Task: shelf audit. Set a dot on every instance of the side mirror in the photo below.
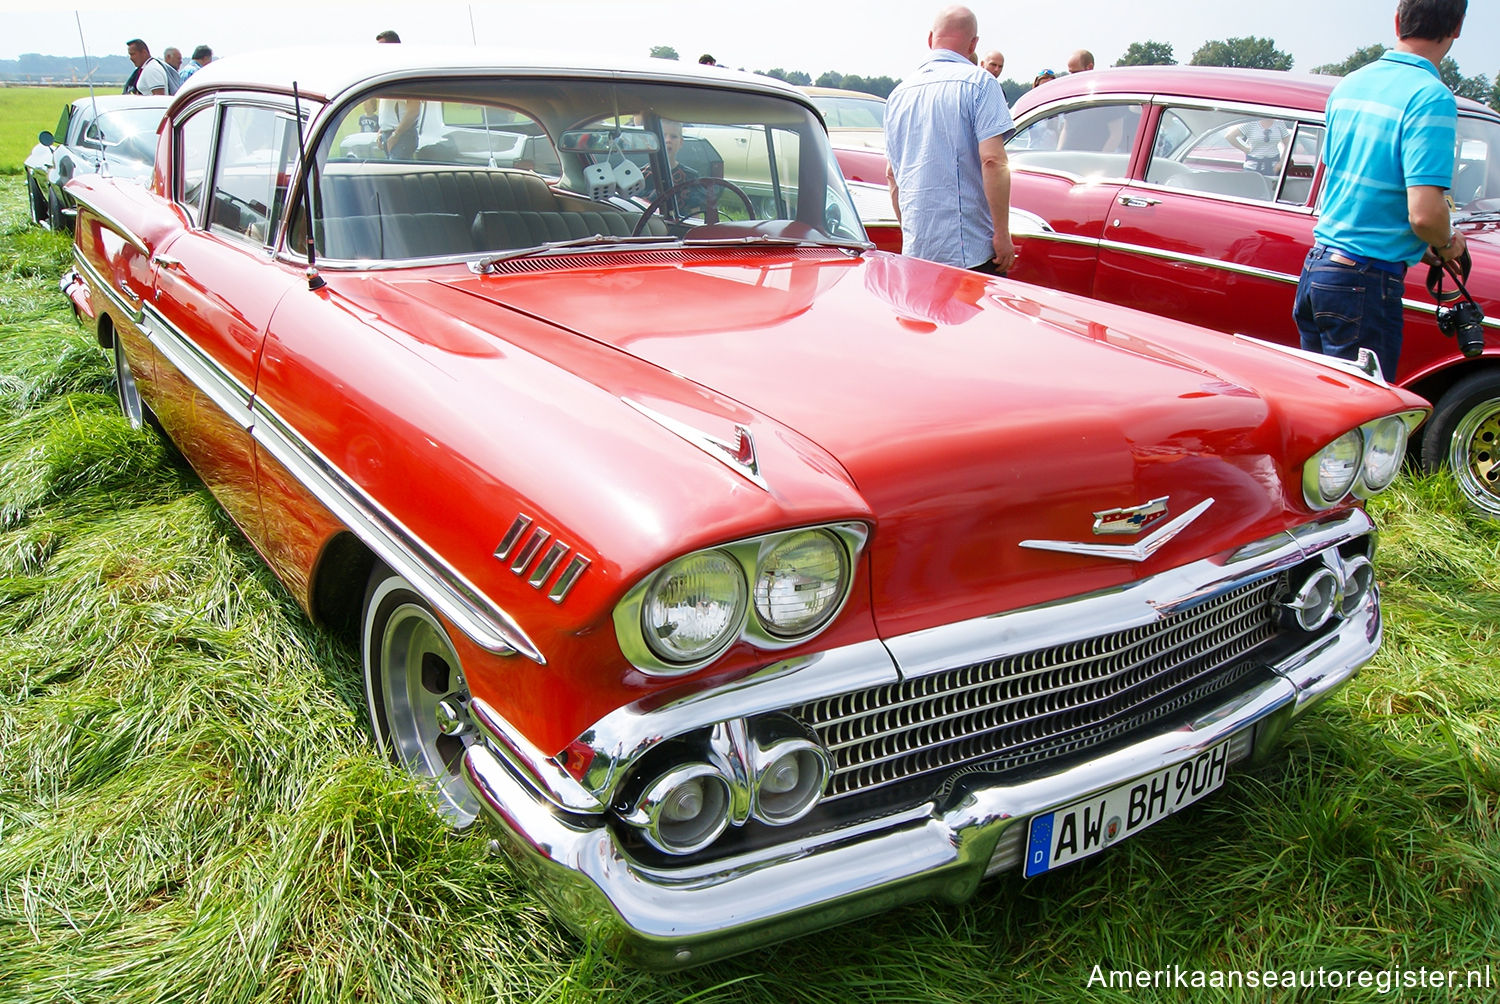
(45, 138)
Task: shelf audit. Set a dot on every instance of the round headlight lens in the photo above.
(1332, 470)
(695, 607)
(1385, 445)
(800, 583)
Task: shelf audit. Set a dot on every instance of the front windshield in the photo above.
(129, 133)
(1476, 166)
(474, 167)
(851, 113)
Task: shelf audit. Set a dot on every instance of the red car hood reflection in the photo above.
(971, 416)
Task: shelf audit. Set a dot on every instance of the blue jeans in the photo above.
(1341, 309)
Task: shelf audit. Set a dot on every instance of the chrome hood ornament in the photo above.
(1121, 518)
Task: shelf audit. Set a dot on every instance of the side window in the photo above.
(1221, 152)
(194, 140)
(251, 173)
(1090, 142)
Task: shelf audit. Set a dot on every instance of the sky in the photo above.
(870, 37)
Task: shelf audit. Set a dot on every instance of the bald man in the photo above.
(994, 63)
(945, 128)
(1081, 60)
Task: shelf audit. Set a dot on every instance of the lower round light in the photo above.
(1359, 579)
(1314, 603)
(1385, 446)
(790, 781)
(694, 607)
(800, 582)
(684, 810)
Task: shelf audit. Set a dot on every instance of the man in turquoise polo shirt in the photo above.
(1389, 158)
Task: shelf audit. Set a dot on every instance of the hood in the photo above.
(970, 415)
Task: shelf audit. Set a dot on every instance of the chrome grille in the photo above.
(1018, 710)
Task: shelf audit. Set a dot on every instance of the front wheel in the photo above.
(1464, 435)
(417, 695)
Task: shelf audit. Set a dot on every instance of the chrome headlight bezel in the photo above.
(1372, 468)
(749, 554)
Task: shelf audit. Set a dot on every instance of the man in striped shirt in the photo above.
(1389, 158)
(945, 129)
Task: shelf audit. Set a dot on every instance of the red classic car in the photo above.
(746, 579)
(1156, 202)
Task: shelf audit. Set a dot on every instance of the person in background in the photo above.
(398, 119)
(993, 63)
(1389, 160)
(707, 60)
(172, 56)
(202, 56)
(1042, 78)
(151, 75)
(1081, 60)
(945, 129)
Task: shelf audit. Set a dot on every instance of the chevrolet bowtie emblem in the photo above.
(1141, 549)
(1130, 520)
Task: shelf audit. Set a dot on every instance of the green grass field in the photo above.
(26, 111)
(190, 810)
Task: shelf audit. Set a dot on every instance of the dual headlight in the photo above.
(775, 591)
(1361, 462)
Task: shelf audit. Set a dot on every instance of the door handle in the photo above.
(1138, 201)
(163, 261)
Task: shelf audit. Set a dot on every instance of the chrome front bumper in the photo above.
(666, 919)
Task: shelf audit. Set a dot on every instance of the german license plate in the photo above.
(1087, 827)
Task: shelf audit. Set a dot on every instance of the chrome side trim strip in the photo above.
(543, 773)
(738, 457)
(114, 224)
(1200, 260)
(97, 281)
(201, 369)
(454, 596)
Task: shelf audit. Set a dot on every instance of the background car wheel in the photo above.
(417, 695)
(36, 203)
(1464, 435)
(125, 391)
(55, 216)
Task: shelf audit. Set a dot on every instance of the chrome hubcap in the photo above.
(426, 704)
(1475, 456)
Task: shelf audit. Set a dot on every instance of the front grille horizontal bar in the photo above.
(1018, 710)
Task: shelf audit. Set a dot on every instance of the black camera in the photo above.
(1464, 321)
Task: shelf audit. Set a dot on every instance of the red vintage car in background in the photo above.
(1153, 203)
(746, 579)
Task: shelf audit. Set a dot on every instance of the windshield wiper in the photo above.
(482, 265)
(764, 239)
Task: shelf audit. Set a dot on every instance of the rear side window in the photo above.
(1235, 153)
(195, 139)
(252, 172)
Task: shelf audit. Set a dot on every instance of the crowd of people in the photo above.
(1384, 207)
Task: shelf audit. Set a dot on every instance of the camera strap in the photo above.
(1459, 269)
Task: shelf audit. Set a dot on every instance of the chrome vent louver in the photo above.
(1007, 713)
(674, 256)
(531, 553)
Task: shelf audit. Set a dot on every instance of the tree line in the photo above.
(1248, 51)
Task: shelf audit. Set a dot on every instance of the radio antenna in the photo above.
(473, 35)
(314, 280)
(89, 76)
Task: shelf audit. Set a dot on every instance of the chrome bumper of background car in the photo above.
(667, 919)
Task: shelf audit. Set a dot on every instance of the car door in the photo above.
(1218, 218)
(1063, 188)
(215, 288)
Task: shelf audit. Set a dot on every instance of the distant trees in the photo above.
(1249, 51)
(794, 77)
(1358, 58)
(1477, 87)
(1147, 54)
(663, 52)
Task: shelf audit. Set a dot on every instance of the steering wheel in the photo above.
(705, 182)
